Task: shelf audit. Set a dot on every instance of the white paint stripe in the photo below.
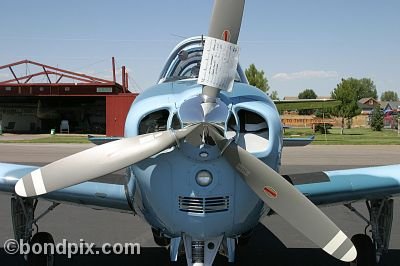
(335, 243)
(37, 180)
(350, 255)
(20, 188)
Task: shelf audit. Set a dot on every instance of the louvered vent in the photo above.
(203, 205)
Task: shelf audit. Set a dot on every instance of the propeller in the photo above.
(97, 161)
(286, 200)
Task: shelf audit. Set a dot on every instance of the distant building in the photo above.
(48, 98)
(391, 110)
(367, 105)
(390, 106)
(306, 121)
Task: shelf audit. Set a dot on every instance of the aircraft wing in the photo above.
(297, 142)
(322, 188)
(102, 140)
(341, 186)
(92, 194)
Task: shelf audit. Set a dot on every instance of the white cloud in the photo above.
(306, 74)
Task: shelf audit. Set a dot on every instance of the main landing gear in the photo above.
(26, 229)
(370, 250)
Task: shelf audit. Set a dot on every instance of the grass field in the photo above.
(52, 139)
(354, 136)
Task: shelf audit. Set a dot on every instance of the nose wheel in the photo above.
(46, 257)
(365, 251)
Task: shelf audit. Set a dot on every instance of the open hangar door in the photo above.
(41, 114)
(84, 114)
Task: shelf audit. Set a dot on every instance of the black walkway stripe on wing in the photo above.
(310, 178)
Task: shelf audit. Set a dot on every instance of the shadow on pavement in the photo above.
(263, 249)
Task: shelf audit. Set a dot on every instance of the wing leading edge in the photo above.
(334, 187)
(322, 188)
(92, 194)
(10, 174)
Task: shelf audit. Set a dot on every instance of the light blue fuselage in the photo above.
(164, 179)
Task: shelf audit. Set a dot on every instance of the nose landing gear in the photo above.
(371, 249)
(23, 219)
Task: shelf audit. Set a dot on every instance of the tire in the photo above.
(41, 238)
(365, 251)
(160, 240)
(244, 239)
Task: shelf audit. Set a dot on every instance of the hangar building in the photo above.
(46, 97)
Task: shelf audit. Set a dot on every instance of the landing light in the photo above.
(204, 178)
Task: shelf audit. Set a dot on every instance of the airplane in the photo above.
(202, 152)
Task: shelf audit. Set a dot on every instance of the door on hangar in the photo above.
(117, 108)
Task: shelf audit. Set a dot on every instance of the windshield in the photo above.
(184, 62)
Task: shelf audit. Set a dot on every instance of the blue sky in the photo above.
(299, 44)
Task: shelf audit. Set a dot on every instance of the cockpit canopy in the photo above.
(184, 62)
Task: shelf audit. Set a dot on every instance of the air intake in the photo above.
(203, 205)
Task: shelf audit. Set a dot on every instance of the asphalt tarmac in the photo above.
(280, 244)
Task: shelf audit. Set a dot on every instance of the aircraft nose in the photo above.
(192, 111)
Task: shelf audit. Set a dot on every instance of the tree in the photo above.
(349, 92)
(274, 95)
(389, 96)
(346, 92)
(377, 119)
(257, 78)
(365, 88)
(307, 94)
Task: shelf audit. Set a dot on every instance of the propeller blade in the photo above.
(286, 200)
(97, 161)
(226, 20)
(225, 25)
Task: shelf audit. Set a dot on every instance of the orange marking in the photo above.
(272, 193)
(226, 35)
